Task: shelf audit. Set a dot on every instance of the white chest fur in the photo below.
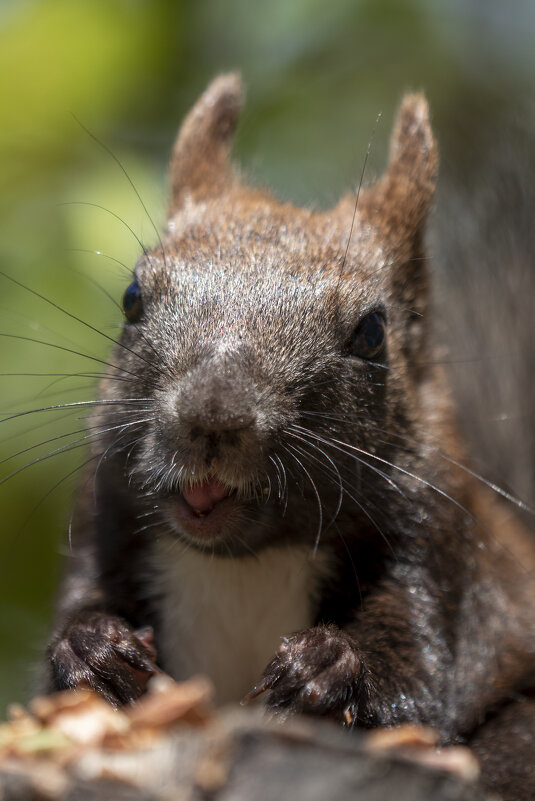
(225, 617)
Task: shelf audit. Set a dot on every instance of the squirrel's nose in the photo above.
(217, 401)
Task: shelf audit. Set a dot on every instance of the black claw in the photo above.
(103, 653)
(316, 671)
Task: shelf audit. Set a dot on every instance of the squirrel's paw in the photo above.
(104, 653)
(317, 671)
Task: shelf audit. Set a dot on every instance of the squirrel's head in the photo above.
(277, 340)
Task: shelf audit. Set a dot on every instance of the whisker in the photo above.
(51, 421)
(277, 475)
(327, 440)
(490, 484)
(146, 253)
(88, 251)
(146, 527)
(119, 163)
(243, 542)
(63, 436)
(365, 511)
(402, 470)
(141, 515)
(10, 542)
(69, 447)
(68, 350)
(431, 449)
(60, 376)
(334, 467)
(79, 404)
(78, 319)
(284, 483)
(138, 328)
(290, 449)
(361, 180)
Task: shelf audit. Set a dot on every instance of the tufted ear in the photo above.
(200, 166)
(399, 202)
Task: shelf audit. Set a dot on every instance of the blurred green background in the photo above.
(317, 74)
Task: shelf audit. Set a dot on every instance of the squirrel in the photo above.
(280, 500)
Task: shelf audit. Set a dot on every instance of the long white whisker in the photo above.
(69, 447)
(290, 449)
(334, 467)
(327, 440)
(363, 509)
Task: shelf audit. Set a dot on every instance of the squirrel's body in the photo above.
(278, 458)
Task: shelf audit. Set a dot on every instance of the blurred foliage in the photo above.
(317, 75)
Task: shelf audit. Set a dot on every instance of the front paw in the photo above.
(102, 651)
(317, 671)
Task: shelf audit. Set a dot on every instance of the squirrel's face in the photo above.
(277, 350)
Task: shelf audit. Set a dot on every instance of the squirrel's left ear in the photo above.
(200, 166)
(399, 202)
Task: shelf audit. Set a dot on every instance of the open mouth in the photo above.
(203, 511)
(202, 498)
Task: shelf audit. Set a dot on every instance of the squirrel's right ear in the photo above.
(400, 200)
(200, 166)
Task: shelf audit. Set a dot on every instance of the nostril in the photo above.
(213, 438)
(196, 432)
(213, 429)
(233, 436)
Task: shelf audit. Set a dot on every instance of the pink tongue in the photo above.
(204, 496)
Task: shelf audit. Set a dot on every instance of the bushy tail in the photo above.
(484, 246)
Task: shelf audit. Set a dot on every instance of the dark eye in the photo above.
(369, 337)
(132, 305)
